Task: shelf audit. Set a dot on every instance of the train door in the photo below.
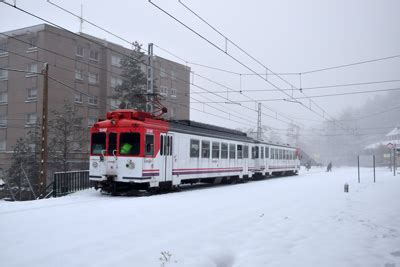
(166, 143)
(111, 160)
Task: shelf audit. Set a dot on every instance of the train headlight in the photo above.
(95, 164)
(130, 164)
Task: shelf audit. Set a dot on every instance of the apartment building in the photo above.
(85, 71)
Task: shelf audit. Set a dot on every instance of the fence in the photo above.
(65, 183)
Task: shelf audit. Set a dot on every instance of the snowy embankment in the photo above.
(304, 220)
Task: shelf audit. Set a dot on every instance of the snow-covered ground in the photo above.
(304, 220)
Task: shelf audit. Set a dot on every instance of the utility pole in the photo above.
(150, 80)
(259, 122)
(44, 150)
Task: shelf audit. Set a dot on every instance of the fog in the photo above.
(289, 37)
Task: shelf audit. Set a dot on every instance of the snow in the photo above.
(304, 220)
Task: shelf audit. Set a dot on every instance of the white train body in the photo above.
(132, 150)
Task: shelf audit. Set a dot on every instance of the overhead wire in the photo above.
(81, 35)
(238, 61)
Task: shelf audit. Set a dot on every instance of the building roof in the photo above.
(395, 131)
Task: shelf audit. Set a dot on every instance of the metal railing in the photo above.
(65, 183)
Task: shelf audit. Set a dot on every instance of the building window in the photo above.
(91, 121)
(3, 120)
(3, 97)
(80, 51)
(115, 81)
(163, 90)
(79, 75)
(2, 145)
(76, 146)
(32, 67)
(3, 48)
(78, 97)
(32, 42)
(163, 73)
(3, 74)
(3, 86)
(115, 103)
(31, 118)
(92, 100)
(115, 61)
(173, 92)
(93, 78)
(94, 55)
(31, 94)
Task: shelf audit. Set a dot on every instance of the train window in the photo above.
(129, 144)
(149, 145)
(246, 152)
(215, 150)
(239, 152)
(280, 154)
(167, 145)
(266, 152)
(170, 145)
(194, 148)
(205, 149)
(272, 153)
(262, 152)
(254, 152)
(224, 150)
(112, 143)
(161, 145)
(232, 151)
(98, 143)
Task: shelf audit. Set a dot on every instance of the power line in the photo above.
(124, 55)
(304, 88)
(235, 59)
(315, 96)
(91, 40)
(75, 90)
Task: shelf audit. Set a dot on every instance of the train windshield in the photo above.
(129, 144)
(98, 143)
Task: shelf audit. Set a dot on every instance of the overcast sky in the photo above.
(286, 36)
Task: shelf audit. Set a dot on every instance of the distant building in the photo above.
(392, 137)
(83, 66)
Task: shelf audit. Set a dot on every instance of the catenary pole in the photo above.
(44, 149)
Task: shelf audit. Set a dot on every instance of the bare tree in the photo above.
(67, 137)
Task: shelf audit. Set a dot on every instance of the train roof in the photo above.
(198, 128)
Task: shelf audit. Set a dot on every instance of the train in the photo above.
(134, 151)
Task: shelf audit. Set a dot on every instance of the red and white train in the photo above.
(133, 150)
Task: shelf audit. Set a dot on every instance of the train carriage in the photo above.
(133, 150)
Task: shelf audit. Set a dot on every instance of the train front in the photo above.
(116, 157)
